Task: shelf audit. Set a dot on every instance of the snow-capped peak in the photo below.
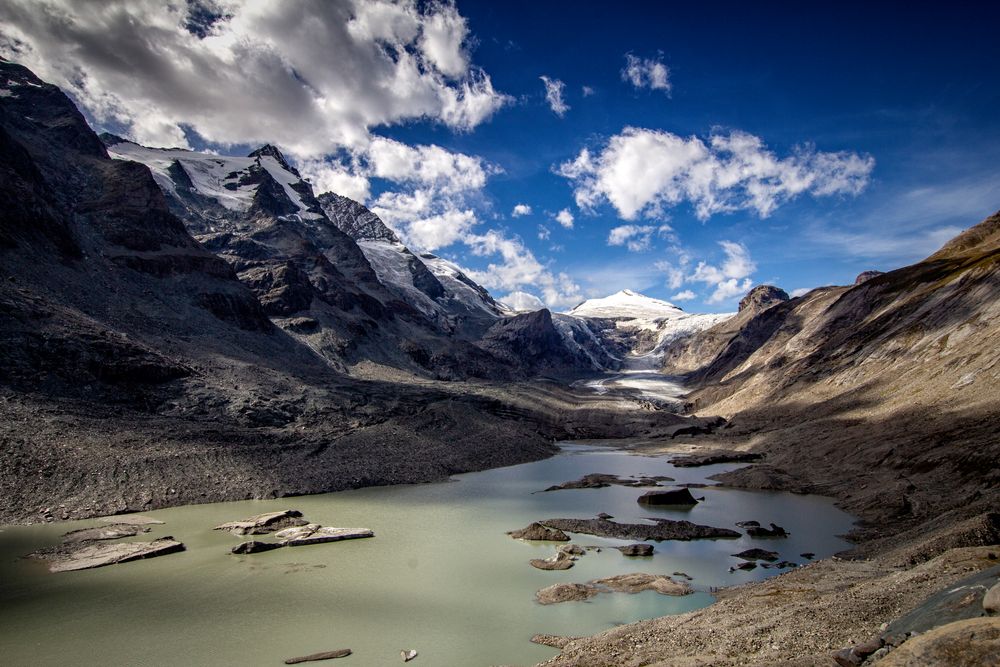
(627, 304)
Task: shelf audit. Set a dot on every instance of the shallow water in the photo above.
(440, 576)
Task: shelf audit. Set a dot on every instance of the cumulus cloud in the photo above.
(554, 95)
(646, 73)
(518, 268)
(565, 218)
(637, 238)
(729, 279)
(544, 233)
(520, 210)
(643, 172)
(587, 91)
(685, 295)
(522, 301)
(336, 68)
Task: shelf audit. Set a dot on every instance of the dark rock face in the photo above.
(714, 456)
(865, 276)
(774, 531)
(530, 340)
(673, 497)
(663, 529)
(761, 298)
(354, 219)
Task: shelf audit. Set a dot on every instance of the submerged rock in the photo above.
(636, 549)
(757, 554)
(673, 497)
(113, 532)
(326, 655)
(268, 522)
(88, 555)
(662, 529)
(255, 547)
(537, 532)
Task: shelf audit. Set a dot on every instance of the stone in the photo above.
(88, 555)
(314, 533)
(572, 549)
(560, 561)
(605, 515)
(268, 522)
(661, 529)
(132, 520)
(856, 655)
(113, 532)
(600, 480)
(255, 547)
(408, 654)
(972, 641)
(747, 565)
(757, 554)
(808, 555)
(557, 593)
(774, 531)
(748, 524)
(962, 600)
(991, 601)
(326, 655)
(538, 532)
(673, 497)
(638, 549)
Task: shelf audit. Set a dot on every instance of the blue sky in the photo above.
(869, 135)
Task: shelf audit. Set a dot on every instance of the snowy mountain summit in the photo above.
(627, 304)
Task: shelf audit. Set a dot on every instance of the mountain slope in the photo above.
(885, 393)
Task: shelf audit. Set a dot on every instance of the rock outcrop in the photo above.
(662, 529)
(87, 555)
(539, 532)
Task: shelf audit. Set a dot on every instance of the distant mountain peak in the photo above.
(626, 303)
(270, 150)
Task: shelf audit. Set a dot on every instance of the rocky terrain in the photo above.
(145, 368)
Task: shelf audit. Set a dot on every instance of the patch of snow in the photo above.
(457, 284)
(626, 304)
(390, 261)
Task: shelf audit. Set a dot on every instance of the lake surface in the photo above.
(440, 575)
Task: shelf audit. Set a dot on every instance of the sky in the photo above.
(562, 150)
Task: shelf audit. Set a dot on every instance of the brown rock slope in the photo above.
(885, 394)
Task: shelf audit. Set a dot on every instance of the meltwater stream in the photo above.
(441, 576)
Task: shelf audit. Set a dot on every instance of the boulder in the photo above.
(131, 519)
(559, 561)
(991, 601)
(113, 532)
(638, 549)
(255, 547)
(808, 555)
(973, 641)
(408, 654)
(268, 522)
(673, 497)
(600, 480)
(536, 531)
(961, 600)
(87, 555)
(747, 565)
(856, 655)
(572, 549)
(757, 554)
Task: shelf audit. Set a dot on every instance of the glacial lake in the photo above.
(440, 576)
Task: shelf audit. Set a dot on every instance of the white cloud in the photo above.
(565, 218)
(644, 172)
(334, 177)
(637, 238)
(259, 71)
(686, 295)
(587, 91)
(646, 73)
(554, 95)
(802, 291)
(729, 279)
(441, 230)
(518, 268)
(520, 210)
(522, 301)
(544, 233)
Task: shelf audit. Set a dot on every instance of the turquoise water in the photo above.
(440, 576)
